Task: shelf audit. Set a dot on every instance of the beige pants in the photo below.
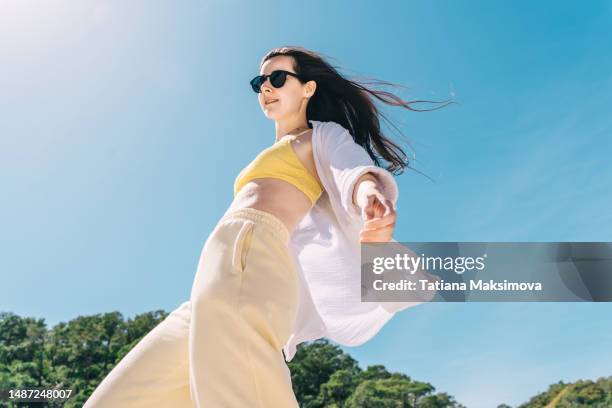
(223, 347)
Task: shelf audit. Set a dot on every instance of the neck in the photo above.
(290, 128)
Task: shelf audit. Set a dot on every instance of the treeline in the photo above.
(78, 354)
(582, 393)
(74, 355)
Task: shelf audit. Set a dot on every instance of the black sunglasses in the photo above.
(277, 79)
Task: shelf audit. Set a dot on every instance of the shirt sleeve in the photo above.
(348, 161)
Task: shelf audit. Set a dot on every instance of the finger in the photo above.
(375, 200)
(375, 208)
(391, 224)
(381, 208)
(369, 230)
(388, 207)
(381, 221)
(377, 231)
(368, 212)
(383, 234)
(376, 238)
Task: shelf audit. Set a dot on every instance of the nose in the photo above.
(266, 85)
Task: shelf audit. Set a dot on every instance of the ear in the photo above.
(311, 87)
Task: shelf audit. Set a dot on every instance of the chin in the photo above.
(272, 115)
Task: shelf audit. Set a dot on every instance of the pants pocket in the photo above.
(241, 246)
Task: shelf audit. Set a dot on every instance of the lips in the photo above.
(271, 100)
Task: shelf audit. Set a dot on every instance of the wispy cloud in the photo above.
(556, 173)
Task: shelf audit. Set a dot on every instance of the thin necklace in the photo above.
(294, 136)
(301, 133)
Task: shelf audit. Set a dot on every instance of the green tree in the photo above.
(383, 393)
(337, 389)
(313, 365)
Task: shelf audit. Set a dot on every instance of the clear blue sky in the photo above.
(123, 125)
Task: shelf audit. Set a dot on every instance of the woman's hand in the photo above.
(377, 212)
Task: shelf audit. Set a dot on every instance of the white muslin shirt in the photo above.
(326, 250)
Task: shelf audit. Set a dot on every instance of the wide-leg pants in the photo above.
(223, 347)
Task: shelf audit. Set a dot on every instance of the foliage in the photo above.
(74, 355)
(580, 394)
(80, 353)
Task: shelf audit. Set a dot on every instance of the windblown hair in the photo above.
(350, 104)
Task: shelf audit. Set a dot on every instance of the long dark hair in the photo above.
(350, 104)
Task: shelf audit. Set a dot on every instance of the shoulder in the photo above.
(329, 127)
(331, 133)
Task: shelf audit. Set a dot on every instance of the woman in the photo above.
(282, 265)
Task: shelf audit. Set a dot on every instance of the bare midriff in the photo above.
(279, 197)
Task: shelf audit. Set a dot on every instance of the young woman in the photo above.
(282, 266)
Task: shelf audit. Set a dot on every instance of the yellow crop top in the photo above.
(281, 162)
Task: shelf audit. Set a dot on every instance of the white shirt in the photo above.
(326, 250)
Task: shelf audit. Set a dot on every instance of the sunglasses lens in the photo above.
(256, 83)
(277, 78)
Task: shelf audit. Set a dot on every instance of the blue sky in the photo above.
(123, 126)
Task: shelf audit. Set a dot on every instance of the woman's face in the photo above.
(289, 98)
